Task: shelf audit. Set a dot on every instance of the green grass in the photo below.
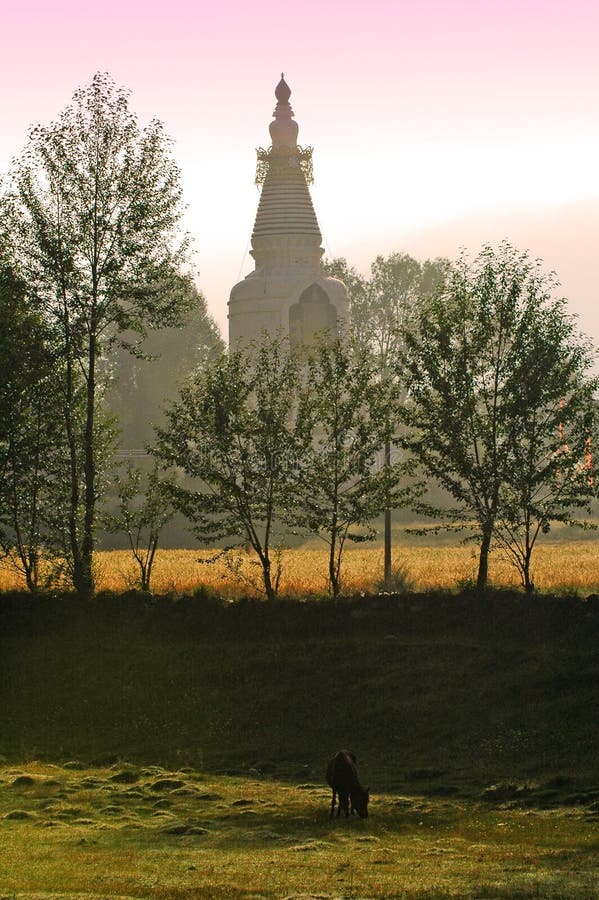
(145, 832)
(474, 721)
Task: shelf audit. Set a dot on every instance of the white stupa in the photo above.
(288, 292)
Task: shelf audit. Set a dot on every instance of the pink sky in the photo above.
(434, 124)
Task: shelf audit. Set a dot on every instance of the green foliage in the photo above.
(381, 307)
(144, 507)
(33, 449)
(382, 304)
(501, 403)
(153, 370)
(271, 442)
(232, 432)
(356, 284)
(94, 213)
(553, 472)
(342, 425)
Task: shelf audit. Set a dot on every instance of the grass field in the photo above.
(127, 831)
(558, 565)
(173, 747)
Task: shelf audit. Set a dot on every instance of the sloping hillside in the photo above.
(445, 694)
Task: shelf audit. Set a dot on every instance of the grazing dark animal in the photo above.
(342, 776)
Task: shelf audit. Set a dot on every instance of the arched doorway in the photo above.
(313, 314)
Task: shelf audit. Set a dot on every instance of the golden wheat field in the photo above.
(559, 565)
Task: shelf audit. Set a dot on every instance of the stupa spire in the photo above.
(283, 131)
(284, 170)
(282, 90)
(288, 289)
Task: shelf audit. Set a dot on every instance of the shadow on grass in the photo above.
(183, 834)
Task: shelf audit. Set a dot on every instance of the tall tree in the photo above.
(32, 445)
(342, 425)
(380, 308)
(483, 364)
(552, 477)
(95, 208)
(231, 432)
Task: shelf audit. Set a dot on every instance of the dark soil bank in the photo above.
(443, 693)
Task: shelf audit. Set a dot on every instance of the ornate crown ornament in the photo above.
(281, 159)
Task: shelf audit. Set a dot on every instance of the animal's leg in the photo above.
(333, 803)
(343, 801)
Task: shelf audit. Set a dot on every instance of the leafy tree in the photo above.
(397, 285)
(155, 373)
(143, 510)
(552, 476)
(32, 446)
(382, 304)
(487, 362)
(342, 425)
(354, 281)
(95, 208)
(231, 432)
(380, 308)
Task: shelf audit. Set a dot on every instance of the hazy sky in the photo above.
(435, 125)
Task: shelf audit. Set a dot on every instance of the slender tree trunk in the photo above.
(387, 535)
(333, 576)
(144, 581)
(528, 582)
(70, 420)
(34, 540)
(86, 586)
(333, 568)
(268, 587)
(70, 415)
(483, 560)
(149, 562)
(529, 586)
(529, 540)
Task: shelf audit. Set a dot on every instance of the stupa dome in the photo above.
(288, 292)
